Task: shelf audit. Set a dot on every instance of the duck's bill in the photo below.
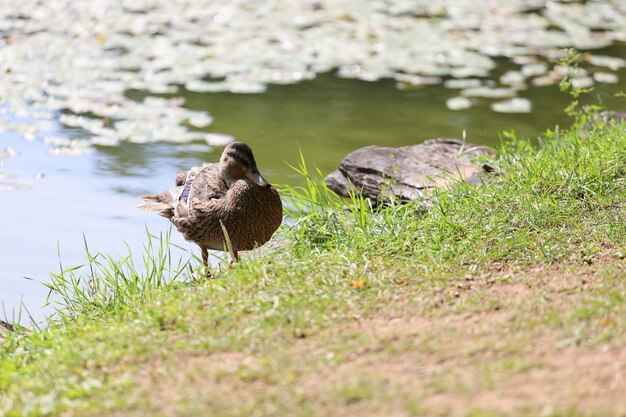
(257, 178)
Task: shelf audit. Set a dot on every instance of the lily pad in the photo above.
(458, 103)
(218, 139)
(514, 105)
(78, 64)
(462, 83)
(488, 92)
(605, 77)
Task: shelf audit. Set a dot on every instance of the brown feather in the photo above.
(162, 204)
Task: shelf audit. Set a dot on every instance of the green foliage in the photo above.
(546, 202)
(106, 284)
(326, 221)
(569, 64)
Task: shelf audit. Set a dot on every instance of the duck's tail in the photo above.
(162, 204)
(175, 202)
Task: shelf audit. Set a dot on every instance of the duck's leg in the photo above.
(235, 256)
(205, 261)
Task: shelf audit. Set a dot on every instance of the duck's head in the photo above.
(237, 163)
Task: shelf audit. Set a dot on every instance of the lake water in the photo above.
(61, 199)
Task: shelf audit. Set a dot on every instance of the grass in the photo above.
(545, 203)
(464, 306)
(106, 285)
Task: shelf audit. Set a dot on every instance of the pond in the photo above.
(54, 197)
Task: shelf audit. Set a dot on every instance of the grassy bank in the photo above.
(505, 299)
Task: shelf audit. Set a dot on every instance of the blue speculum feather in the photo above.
(186, 190)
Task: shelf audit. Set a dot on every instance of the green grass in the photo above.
(128, 330)
(105, 285)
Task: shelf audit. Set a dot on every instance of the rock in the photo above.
(616, 116)
(5, 328)
(408, 172)
(608, 117)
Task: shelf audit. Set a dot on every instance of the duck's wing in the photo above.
(201, 191)
(168, 202)
(208, 184)
(199, 185)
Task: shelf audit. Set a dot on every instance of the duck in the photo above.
(227, 206)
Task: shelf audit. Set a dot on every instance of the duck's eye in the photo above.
(240, 160)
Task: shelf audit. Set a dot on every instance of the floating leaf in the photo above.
(605, 77)
(458, 103)
(514, 105)
(488, 92)
(218, 139)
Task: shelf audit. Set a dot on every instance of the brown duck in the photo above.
(215, 200)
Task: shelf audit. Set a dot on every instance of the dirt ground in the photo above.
(511, 343)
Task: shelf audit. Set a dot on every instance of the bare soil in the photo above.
(448, 352)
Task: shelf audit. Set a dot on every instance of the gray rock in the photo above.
(609, 117)
(5, 328)
(616, 116)
(408, 172)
